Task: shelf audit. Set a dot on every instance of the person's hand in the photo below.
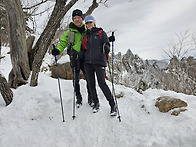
(106, 48)
(74, 54)
(55, 52)
(112, 38)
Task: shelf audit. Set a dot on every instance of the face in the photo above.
(90, 25)
(78, 21)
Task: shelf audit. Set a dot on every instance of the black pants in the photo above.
(100, 73)
(79, 67)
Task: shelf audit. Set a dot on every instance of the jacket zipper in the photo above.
(90, 46)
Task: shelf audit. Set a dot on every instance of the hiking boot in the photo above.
(90, 101)
(79, 101)
(92, 104)
(96, 107)
(113, 111)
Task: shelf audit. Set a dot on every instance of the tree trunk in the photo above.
(38, 52)
(5, 90)
(0, 30)
(17, 40)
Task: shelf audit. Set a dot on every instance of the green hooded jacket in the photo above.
(77, 42)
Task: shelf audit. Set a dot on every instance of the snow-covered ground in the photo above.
(34, 118)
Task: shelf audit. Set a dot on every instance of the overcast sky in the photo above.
(145, 26)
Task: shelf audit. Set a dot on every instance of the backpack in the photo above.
(71, 37)
(85, 43)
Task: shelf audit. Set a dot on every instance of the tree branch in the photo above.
(42, 11)
(181, 45)
(91, 8)
(42, 2)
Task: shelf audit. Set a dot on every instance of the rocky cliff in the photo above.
(130, 70)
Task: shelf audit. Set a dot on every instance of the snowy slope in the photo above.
(34, 118)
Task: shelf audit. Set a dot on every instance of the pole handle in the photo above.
(53, 46)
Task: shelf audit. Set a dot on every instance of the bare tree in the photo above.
(30, 11)
(181, 45)
(35, 5)
(194, 42)
(2, 11)
(0, 28)
(5, 90)
(17, 41)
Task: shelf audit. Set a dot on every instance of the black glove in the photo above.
(106, 48)
(55, 52)
(74, 54)
(112, 38)
(69, 50)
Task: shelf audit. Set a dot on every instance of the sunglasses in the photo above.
(89, 22)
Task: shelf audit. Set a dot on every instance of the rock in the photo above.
(65, 71)
(176, 112)
(142, 86)
(121, 94)
(166, 103)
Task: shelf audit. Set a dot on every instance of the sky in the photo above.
(145, 27)
(34, 117)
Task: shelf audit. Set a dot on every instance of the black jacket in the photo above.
(97, 48)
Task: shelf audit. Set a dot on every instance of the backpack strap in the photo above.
(71, 37)
(85, 43)
(100, 34)
(70, 41)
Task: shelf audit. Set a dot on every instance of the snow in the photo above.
(34, 118)
(64, 59)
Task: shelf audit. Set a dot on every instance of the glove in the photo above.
(74, 54)
(112, 38)
(106, 48)
(69, 50)
(55, 52)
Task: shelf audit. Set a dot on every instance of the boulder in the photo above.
(65, 71)
(166, 103)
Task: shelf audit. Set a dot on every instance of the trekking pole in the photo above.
(112, 78)
(113, 92)
(59, 87)
(74, 94)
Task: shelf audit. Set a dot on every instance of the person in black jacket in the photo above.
(94, 49)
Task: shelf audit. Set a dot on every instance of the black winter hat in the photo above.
(77, 12)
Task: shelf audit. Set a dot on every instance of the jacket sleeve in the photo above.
(63, 42)
(106, 44)
(81, 53)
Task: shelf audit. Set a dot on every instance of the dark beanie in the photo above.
(77, 12)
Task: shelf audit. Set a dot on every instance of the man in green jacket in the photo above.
(77, 29)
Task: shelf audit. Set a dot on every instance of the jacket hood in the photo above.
(74, 28)
(94, 29)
